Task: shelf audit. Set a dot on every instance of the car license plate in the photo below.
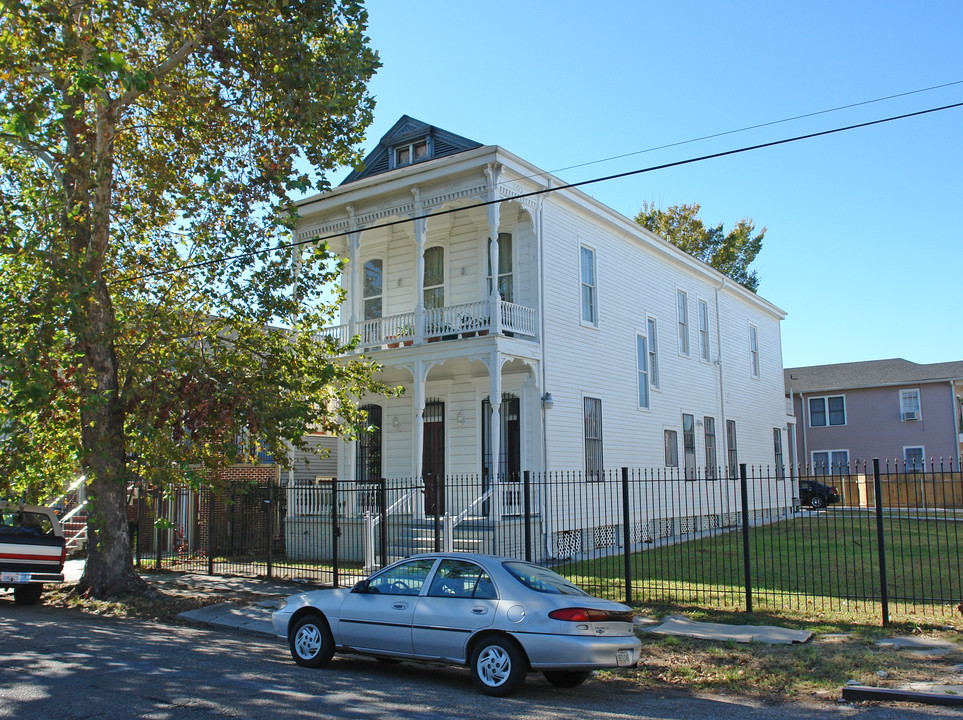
(13, 577)
(623, 657)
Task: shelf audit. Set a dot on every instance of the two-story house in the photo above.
(894, 410)
(530, 323)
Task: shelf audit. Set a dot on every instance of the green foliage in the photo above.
(730, 253)
(141, 137)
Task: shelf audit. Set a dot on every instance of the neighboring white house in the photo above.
(600, 345)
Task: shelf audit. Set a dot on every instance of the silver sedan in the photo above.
(500, 617)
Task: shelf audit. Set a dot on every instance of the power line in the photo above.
(555, 188)
(751, 127)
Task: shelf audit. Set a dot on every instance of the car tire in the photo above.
(817, 501)
(311, 642)
(567, 678)
(27, 594)
(498, 666)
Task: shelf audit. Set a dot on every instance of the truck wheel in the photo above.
(27, 594)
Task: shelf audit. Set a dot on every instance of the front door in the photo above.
(510, 448)
(433, 458)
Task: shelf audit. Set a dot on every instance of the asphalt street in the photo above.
(65, 664)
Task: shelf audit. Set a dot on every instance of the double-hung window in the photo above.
(682, 313)
(909, 405)
(505, 277)
(653, 354)
(671, 448)
(777, 452)
(830, 410)
(831, 462)
(753, 351)
(642, 367)
(704, 349)
(913, 458)
(590, 313)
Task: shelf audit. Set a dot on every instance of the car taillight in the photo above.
(577, 614)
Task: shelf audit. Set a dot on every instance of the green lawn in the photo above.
(818, 562)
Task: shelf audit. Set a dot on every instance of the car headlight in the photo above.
(283, 604)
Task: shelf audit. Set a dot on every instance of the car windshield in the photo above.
(542, 580)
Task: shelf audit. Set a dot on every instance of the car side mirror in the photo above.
(360, 587)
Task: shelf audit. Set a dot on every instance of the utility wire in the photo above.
(550, 189)
(749, 127)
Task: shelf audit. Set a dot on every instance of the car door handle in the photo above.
(479, 610)
(400, 605)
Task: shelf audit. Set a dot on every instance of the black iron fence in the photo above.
(860, 537)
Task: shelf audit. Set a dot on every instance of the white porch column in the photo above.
(418, 431)
(493, 208)
(421, 229)
(356, 312)
(495, 398)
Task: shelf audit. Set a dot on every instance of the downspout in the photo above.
(539, 240)
(722, 388)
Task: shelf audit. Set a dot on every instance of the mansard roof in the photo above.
(408, 132)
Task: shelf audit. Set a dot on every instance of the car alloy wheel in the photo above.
(817, 502)
(498, 667)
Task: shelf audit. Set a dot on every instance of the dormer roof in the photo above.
(408, 142)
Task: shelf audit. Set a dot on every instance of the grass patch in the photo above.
(807, 566)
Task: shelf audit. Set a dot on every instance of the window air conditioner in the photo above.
(911, 415)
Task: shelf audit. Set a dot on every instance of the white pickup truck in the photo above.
(32, 550)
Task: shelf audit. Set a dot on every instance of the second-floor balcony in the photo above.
(451, 322)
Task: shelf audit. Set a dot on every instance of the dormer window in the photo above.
(412, 152)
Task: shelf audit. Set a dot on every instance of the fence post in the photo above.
(157, 530)
(383, 512)
(140, 518)
(745, 535)
(335, 532)
(626, 536)
(527, 487)
(437, 508)
(878, 488)
(270, 525)
(210, 531)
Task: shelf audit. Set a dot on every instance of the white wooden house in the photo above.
(599, 345)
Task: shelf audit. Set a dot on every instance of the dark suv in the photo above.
(816, 495)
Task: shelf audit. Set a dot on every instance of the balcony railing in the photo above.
(445, 323)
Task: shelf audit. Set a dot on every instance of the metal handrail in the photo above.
(464, 513)
(73, 486)
(394, 506)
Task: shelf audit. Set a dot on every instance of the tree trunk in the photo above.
(109, 570)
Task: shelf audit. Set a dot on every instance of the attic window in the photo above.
(412, 152)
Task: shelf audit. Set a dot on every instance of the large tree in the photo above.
(149, 153)
(730, 253)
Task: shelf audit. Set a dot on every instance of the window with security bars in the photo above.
(689, 446)
(710, 441)
(777, 451)
(593, 438)
(368, 447)
(732, 451)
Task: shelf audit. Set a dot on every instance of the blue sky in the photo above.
(863, 249)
